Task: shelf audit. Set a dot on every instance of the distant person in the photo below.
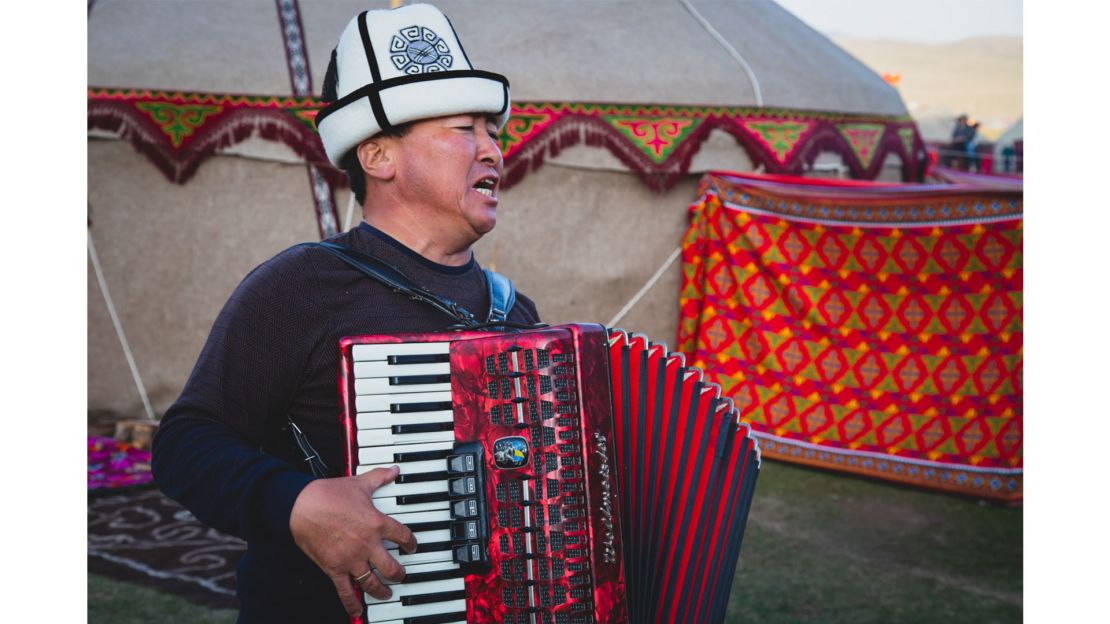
(973, 143)
(962, 136)
(1008, 159)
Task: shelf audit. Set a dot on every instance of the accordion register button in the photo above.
(459, 464)
(467, 530)
(462, 486)
(465, 508)
(469, 553)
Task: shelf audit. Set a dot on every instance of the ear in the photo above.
(377, 159)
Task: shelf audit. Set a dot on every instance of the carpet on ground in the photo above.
(138, 535)
(868, 328)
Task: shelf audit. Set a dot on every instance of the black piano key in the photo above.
(439, 618)
(434, 547)
(421, 455)
(408, 601)
(429, 526)
(415, 499)
(420, 477)
(429, 358)
(405, 408)
(423, 427)
(412, 380)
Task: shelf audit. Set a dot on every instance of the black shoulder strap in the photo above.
(502, 296)
(397, 280)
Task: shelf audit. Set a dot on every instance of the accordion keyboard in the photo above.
(504, 442)
(404, 418)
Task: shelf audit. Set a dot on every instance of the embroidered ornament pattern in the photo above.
(418, 50)
(177, 131)
(891, 348)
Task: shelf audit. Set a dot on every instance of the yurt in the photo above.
(203, 161)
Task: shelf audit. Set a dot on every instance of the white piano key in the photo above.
(414, 467)
(360, 353)
(381, 385)
(394, 611)
(365, 370)
(386, 437)
(443, 556)
(424, 537)
(417, 589)
(389, 506)
(436, 566)
(381, 403)
(384, 454)
(384, 420)
(422, 516)
(406, 489)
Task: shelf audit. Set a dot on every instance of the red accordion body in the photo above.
(539, 470)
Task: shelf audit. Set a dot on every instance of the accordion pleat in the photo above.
(688, 471)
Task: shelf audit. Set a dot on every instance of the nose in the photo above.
(489, 149)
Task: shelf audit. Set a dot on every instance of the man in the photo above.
(415, 127)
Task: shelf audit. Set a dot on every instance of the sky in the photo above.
(931, 21)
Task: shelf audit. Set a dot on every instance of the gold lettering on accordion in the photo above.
(610, 553)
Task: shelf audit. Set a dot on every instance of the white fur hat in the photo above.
(399, 65)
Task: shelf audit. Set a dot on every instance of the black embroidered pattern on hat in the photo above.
(418, 50)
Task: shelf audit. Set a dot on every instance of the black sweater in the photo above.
(222, 450)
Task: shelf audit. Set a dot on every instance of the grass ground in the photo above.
(819, 547)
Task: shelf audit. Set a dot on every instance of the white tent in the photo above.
(582, 235)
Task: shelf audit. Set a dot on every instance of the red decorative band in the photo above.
(178, 130)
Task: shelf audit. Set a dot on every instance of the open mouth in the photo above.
(486, 186)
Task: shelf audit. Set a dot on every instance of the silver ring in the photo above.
(360, 579)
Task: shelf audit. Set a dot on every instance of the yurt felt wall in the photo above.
(171, 254)
(582, 243)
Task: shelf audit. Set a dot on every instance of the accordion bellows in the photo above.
(562, 475)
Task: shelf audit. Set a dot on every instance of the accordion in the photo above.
(563, 475)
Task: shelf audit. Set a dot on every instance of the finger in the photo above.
(389, 568)
(399, 534)
(374, 586)
(377, 477)
(351, 601)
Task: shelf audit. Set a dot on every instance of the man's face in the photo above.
(449, 172)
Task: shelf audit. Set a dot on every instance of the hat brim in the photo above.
(365, 112)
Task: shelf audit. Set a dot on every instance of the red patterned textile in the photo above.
(868, 328)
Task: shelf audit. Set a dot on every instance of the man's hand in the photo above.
(335, 523)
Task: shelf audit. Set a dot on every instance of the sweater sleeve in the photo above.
(207, 451)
